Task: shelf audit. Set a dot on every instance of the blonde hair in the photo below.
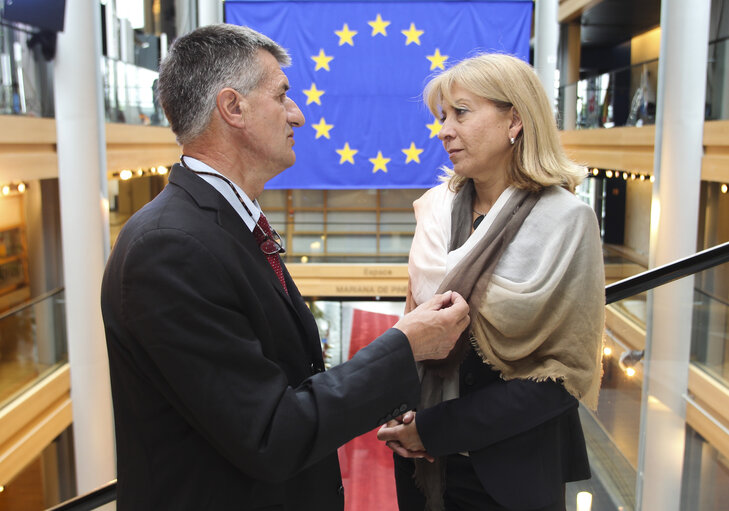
(538, 159)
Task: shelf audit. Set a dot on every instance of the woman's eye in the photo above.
(460, 111)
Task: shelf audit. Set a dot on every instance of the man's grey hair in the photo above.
(202, 63)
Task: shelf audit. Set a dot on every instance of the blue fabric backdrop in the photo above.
(358, 74)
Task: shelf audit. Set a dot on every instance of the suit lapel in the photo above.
(228, 219)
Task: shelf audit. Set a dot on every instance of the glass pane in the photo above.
(399, 198)
(307, 198)
(710, 327)
(130, 94)
(626, 97)
(343, 244)
(397, 221)
(309, 221)
(303, 244)
(11, 274)
(343, 221)
(32, 342)
(352, 199)
(10, 243)
(395, 244)
(272, 199)
(717, 81)
(705, 477)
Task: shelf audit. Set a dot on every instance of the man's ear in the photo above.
(231, 106)
(516, 125)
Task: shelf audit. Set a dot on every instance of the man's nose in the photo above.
(295, 117)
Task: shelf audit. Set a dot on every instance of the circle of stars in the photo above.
(313, 95)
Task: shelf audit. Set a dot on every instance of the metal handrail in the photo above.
(667, 273)
(614, 292)
(30, 303)
(89, 501)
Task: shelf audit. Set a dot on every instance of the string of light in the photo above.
(15, 188)
(127, 174)
(633, 176)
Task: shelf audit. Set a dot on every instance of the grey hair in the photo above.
(202, 63)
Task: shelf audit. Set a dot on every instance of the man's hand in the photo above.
(434, 326)
(402, 437)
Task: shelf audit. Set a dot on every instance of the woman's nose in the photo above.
(446, 131)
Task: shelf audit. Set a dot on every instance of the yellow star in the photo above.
(322, 61)
(378, 26)
(346, 153)
(437, 60)
(346, 35)
(313, 94)
(434, 127)
(412, 153)
(380, 163)
(322, 129)
(412, 34)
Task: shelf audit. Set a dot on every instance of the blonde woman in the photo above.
(499, 417)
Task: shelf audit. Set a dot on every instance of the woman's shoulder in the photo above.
(437, 195)
(559, 209)
(563, 201)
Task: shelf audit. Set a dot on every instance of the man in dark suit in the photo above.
(220, 396)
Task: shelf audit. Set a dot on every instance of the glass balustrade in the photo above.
(32, 343)
(130, 94)
(627, 96)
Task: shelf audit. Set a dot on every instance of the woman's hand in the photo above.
(402, 437)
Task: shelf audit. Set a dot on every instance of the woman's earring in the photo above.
(512, 140)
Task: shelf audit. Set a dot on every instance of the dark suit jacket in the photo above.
(219, 393)
(524, 438)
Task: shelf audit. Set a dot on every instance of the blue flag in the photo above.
(358, 72)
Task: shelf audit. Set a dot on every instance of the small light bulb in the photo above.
(162, 170)
(6, 190)
(632, 176)
(595, 172)
(304, 259)
(21, 187)
(630, 372)
(625, 176)
(125, 174)
(607, 351)
(642, 177)
(724, 188)
(584, 501)
(653, 179)
(140, 172)
(609, 173)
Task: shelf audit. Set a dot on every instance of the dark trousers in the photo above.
(464, 491)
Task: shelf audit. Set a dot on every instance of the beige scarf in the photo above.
(533, 277)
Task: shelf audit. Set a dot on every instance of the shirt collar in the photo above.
(224, 189)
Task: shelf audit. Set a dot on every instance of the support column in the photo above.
(674, 226)
(546, 40)
(85, 232)
(209, 12)
(569, 72)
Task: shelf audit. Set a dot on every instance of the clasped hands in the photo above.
(401, 435)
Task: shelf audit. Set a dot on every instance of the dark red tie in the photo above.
(273, 259)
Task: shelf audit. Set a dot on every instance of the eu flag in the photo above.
(358, 73)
